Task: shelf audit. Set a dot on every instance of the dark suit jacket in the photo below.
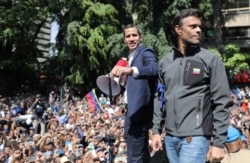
(140, 90)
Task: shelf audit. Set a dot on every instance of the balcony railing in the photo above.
(243, 42)
(226, 38)
(235, 10)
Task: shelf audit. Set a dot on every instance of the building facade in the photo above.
(237, 24)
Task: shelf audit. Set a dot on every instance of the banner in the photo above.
(92, 101)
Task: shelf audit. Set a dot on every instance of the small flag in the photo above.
(196, 71)
(93, 101)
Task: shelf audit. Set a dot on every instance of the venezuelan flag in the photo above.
(196, 71)
(92, 101)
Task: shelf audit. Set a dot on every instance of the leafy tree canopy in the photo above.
(90, 38)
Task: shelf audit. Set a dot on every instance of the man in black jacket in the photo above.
(196, 97)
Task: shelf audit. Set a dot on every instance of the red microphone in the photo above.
(122, 62)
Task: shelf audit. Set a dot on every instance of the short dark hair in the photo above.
(132, 26)
(180, 16)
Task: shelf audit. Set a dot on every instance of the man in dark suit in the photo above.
(140, 87)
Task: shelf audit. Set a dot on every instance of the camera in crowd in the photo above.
(25, 120)
(109, 139)
(45, 115)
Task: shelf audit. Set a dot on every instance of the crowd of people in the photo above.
(57, 128)
(73, 133)
(39, 128)
(240, 113)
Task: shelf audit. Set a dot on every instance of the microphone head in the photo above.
(108, 85)
(122, 62)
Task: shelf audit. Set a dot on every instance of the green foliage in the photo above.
(19, 23)
(75, 77)
(231, 49)
(90, 39)
(206, 8)
(115, 47)
(234, 61)
(87, 39)
(158, 44)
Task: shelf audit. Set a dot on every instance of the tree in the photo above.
(147, 16)
(20, 22)
(234, 60)
(90, 39)
(218, 24)
(86, 39)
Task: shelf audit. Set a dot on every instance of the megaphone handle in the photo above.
(110, 87)
(110, 90)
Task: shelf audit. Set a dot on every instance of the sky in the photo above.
(53, 35)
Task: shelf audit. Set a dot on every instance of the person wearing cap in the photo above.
(234, 148)
(234, 142)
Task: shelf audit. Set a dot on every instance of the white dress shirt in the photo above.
(135, 71)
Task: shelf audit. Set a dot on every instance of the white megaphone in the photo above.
(110, 86)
